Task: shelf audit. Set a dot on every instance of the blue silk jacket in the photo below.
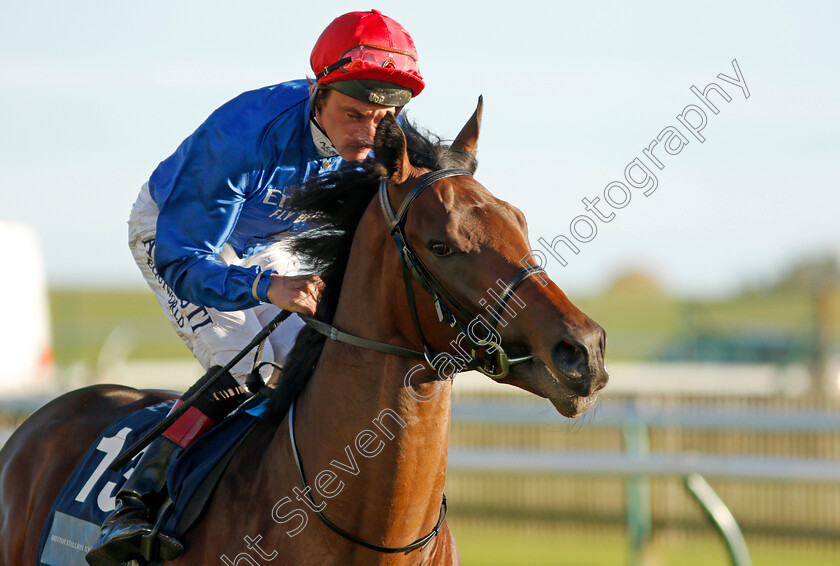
(228, 183)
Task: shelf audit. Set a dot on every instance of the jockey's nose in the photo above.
(370, 127)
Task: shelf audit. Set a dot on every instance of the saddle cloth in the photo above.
(88, 496)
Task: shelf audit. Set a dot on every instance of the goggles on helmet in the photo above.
(367, 57)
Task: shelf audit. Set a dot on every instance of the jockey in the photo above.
(209, 232)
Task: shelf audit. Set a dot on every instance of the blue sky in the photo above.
(94, 94)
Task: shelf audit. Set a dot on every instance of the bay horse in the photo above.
(370, 426)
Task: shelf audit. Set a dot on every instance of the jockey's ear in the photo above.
(389, 147)
(467, 139)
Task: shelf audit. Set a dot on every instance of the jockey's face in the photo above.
(350, 123)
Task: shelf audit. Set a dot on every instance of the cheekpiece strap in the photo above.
(395, 219)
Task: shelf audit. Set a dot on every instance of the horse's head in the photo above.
(471, 244)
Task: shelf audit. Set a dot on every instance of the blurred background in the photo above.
(718, 291)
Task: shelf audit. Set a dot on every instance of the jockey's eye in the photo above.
(440, 249)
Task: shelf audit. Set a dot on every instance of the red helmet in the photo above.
(363, 47)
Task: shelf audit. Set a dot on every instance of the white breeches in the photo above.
(214, 336)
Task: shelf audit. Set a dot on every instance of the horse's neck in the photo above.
(357, 422)
(385, 440)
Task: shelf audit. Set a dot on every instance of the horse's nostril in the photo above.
(568, 355)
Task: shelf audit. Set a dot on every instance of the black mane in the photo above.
(333, 204)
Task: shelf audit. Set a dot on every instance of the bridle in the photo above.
(445, 303)
(413, 268)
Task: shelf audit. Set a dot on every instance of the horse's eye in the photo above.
(440, 249)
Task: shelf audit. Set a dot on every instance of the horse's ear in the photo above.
(467, 140)
(389, 147)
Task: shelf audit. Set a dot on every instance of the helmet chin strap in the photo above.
(322, 141)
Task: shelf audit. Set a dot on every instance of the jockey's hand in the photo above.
(299, 293)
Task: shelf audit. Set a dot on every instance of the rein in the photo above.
(419, 543)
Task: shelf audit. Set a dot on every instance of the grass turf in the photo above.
(495, 545)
